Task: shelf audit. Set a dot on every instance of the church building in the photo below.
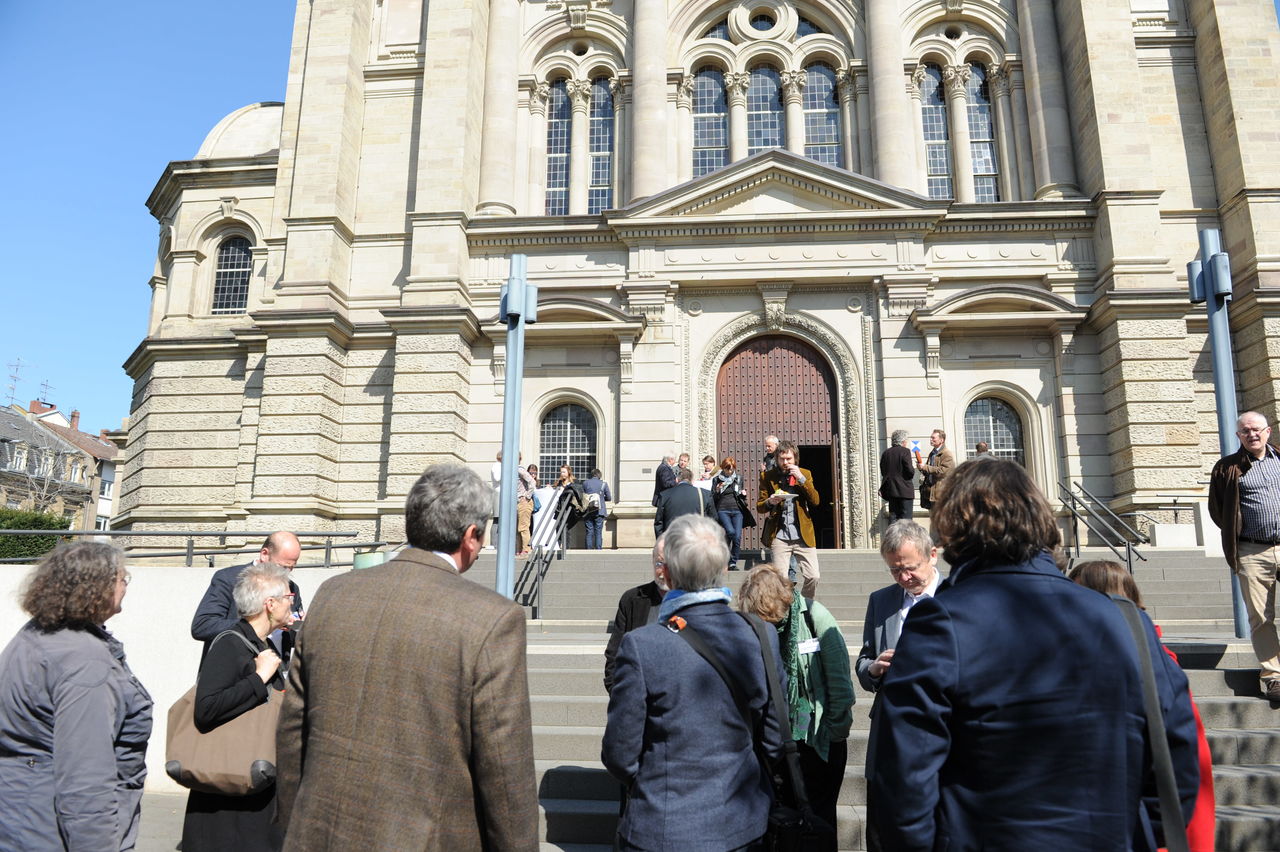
(820, 219)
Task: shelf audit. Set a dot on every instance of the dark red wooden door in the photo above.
(773, 385)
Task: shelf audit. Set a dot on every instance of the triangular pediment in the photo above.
(776, 183)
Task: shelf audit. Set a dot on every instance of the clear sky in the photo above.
(101, 96)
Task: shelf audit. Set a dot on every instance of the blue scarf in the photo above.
(677, 599)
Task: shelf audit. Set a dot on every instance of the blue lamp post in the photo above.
(519, 307)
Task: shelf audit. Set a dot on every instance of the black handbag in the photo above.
(748, 519)
(793, 826)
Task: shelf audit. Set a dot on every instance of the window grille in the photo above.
(559, 118)
(821, 115)
(720, 31)
(600, 133)
(231, 276)
(765, 121)
(807, 27)
(710, 122)
(568, 437)
(986, 173)
(937, 138)
(762, 22)
(996, 422)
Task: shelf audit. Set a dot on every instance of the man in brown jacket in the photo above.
(787, 494)
(406, 721)
(935, 468)
(1244, 501)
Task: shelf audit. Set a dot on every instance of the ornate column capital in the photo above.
(998, 79)
(684, 92)
(579, 94)
(914, 80)
(956, 79)
(793, 83)
(845, 85)
(538, 99)
(621, 91)
(736, 86)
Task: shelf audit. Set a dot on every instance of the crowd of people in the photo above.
(1008, 705)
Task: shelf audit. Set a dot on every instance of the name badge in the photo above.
(808, 646)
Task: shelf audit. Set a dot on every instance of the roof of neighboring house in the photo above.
(18, 428)
(91, 444)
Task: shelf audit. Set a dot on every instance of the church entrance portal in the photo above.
(780, 385)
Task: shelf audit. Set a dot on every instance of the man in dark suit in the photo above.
(406, 722)
(913, 561)
(636, 608)
(217, 609)
(897, 471)
(787, 493)
(664, 477)
(684, 499)
(674, 737)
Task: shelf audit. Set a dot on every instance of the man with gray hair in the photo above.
(897, 472)
(636, 608)
(675, 738)
(406, 723)
(664, 477)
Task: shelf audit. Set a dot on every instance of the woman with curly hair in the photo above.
(74, 721)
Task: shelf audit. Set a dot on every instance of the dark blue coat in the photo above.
(677, 741)
(1012, 719)
(217, 609)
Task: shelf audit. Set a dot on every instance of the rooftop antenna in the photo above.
(45, 387)
(14, 370)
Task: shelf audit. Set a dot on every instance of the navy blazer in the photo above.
(677, 741)
(217, 610)
(663, 478)
(1012, 719)
(881, 628)
(684, 499)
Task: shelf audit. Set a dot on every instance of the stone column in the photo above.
(621, 137)
(1021, 135)
(893, 112)
(684, 132)
(1052, 158)
(538, 148)
(736, 86)
(649, 122)
(498, 146)
(579, 156)
(793, 101)
(862, 98)
(998, 80)
(848, 123)
(955, 78)
(917, 109)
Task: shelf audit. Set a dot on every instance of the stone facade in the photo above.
(371, 216)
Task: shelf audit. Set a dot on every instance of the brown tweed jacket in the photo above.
(406, 721)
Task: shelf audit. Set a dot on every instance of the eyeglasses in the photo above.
(124, 578)
(288, 597)
(1247, 431)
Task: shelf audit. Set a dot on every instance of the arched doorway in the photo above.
(780, 385)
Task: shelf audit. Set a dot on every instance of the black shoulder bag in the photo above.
(790, 829)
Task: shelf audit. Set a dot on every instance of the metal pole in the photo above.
(1213, 272)
(513, 311)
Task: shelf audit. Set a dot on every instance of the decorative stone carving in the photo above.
(998, 80)
(956, 79)
(576, 12)
(793, 83)
(626, 349)
(917, 77)
(228, 204)
(845, 86)
(932, 359)
(579, 94)
(736, 85)
(775, 303)
(538, 98)
(499, 366)
(684, 92)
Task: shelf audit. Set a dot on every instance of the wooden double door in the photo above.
(780, 385)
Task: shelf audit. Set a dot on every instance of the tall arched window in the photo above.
(568, 437)
(600, 189)
(231, 276)
(765, 122)
(821, 114)
(996, 422)
(710, 121)
(982, 137)
(937, 139)
(559, 118)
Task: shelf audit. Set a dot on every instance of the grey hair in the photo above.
(1257, 414)
(684, 474)
(660, 545)
(899, 435)
(669, 457)
(695, 553)
(255, 584)
(905, 532)
(442, 504)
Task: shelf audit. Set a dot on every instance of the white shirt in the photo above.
(909, 600)
(447, 558)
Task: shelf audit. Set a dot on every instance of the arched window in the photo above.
(568, 437)
(559, 118)
(719, 31)
(807, 27)
(600, 189)
(996, 422)
(821, 115)
(765, 128)
(231, 276)
(710, 121)
(982, 136)
(937, 139)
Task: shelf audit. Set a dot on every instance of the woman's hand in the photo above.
(267, 663)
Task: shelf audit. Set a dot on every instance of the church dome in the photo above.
(250, 131)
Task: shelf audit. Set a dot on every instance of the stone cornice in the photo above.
(1138, 304)
(181, 175)
(305, 323)
(1253, 306)
(152, 348)
(433, 320)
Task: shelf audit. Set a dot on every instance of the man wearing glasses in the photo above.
(1244, 501)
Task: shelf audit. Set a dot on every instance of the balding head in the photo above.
(282, 548)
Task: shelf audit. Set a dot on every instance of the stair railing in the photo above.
(548, 544)
(1105, 524)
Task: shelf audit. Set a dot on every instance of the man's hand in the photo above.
(881, 665)
(775, 499)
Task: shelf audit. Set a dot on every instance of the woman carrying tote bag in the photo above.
(233, 680)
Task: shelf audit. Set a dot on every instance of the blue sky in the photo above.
(101, 96)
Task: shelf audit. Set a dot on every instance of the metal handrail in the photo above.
(1074, 505)
(191, 535)
(1139, 536)
(536, 566)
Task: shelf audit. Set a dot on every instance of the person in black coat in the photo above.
(233, 680)
(897, 472)
(684, 499)
(664, 478)
(636, 608)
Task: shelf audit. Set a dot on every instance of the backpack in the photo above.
(592, 505)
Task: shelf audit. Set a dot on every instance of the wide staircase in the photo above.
(1186, 593)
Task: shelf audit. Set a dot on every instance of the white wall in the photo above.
(155, 627)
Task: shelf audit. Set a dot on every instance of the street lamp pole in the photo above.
(519, 306)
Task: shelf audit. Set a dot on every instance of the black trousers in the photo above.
(822, 780)
(900, 508)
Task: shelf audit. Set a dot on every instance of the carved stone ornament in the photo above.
(956, 78)
(845, 85)
(579, 94)
(998, 79)
(228, 204)
(793, 83)
(918, 75)
(684, 92)
(775, 314)
(539, 97)
(736, 85)
(576, 12)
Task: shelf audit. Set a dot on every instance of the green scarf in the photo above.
(799, 699)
